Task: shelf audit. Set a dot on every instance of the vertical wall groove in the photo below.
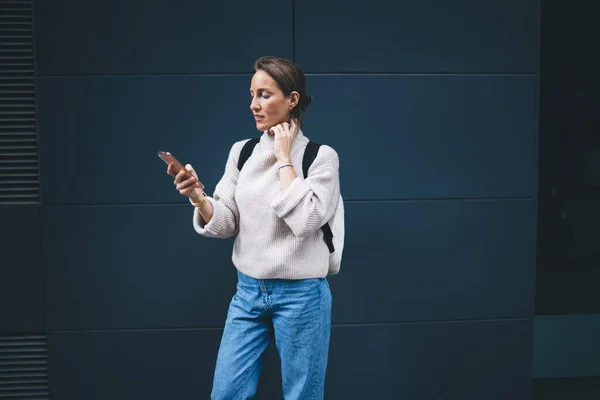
(294, 30)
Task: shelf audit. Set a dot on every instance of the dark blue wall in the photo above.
(432, 106)
(567, 304)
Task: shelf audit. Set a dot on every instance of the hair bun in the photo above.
(308, 99)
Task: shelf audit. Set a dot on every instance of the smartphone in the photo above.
(168, 158)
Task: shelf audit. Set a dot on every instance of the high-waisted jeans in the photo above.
(297, 313)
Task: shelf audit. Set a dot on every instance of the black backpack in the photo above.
(310, 153)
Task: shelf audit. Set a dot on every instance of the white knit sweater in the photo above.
(278, 233)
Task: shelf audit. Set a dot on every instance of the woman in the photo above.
(279, 252)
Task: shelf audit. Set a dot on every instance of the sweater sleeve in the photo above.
(307, 204)
(225, 216)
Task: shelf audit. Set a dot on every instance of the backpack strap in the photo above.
(247, 152)
(310, 153)
(328, 237)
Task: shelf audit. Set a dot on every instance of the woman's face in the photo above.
(269, 105)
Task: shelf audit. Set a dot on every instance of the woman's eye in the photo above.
(264, 96)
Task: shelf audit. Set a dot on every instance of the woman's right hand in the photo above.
(187, 185)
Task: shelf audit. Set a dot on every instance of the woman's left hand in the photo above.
(284, 137)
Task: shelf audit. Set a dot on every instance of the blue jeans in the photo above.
(298, 314)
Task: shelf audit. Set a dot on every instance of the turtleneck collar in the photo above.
(268, 141)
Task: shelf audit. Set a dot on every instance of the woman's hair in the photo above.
(289, 78)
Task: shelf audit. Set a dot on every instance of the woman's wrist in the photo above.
(284, 160)
(284, 165)
(199, 202)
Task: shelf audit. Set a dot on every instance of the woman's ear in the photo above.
(293, 100)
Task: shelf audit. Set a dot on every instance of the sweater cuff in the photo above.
(291, 197)
(217, 221)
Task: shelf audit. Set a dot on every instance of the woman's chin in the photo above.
(261, 126)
